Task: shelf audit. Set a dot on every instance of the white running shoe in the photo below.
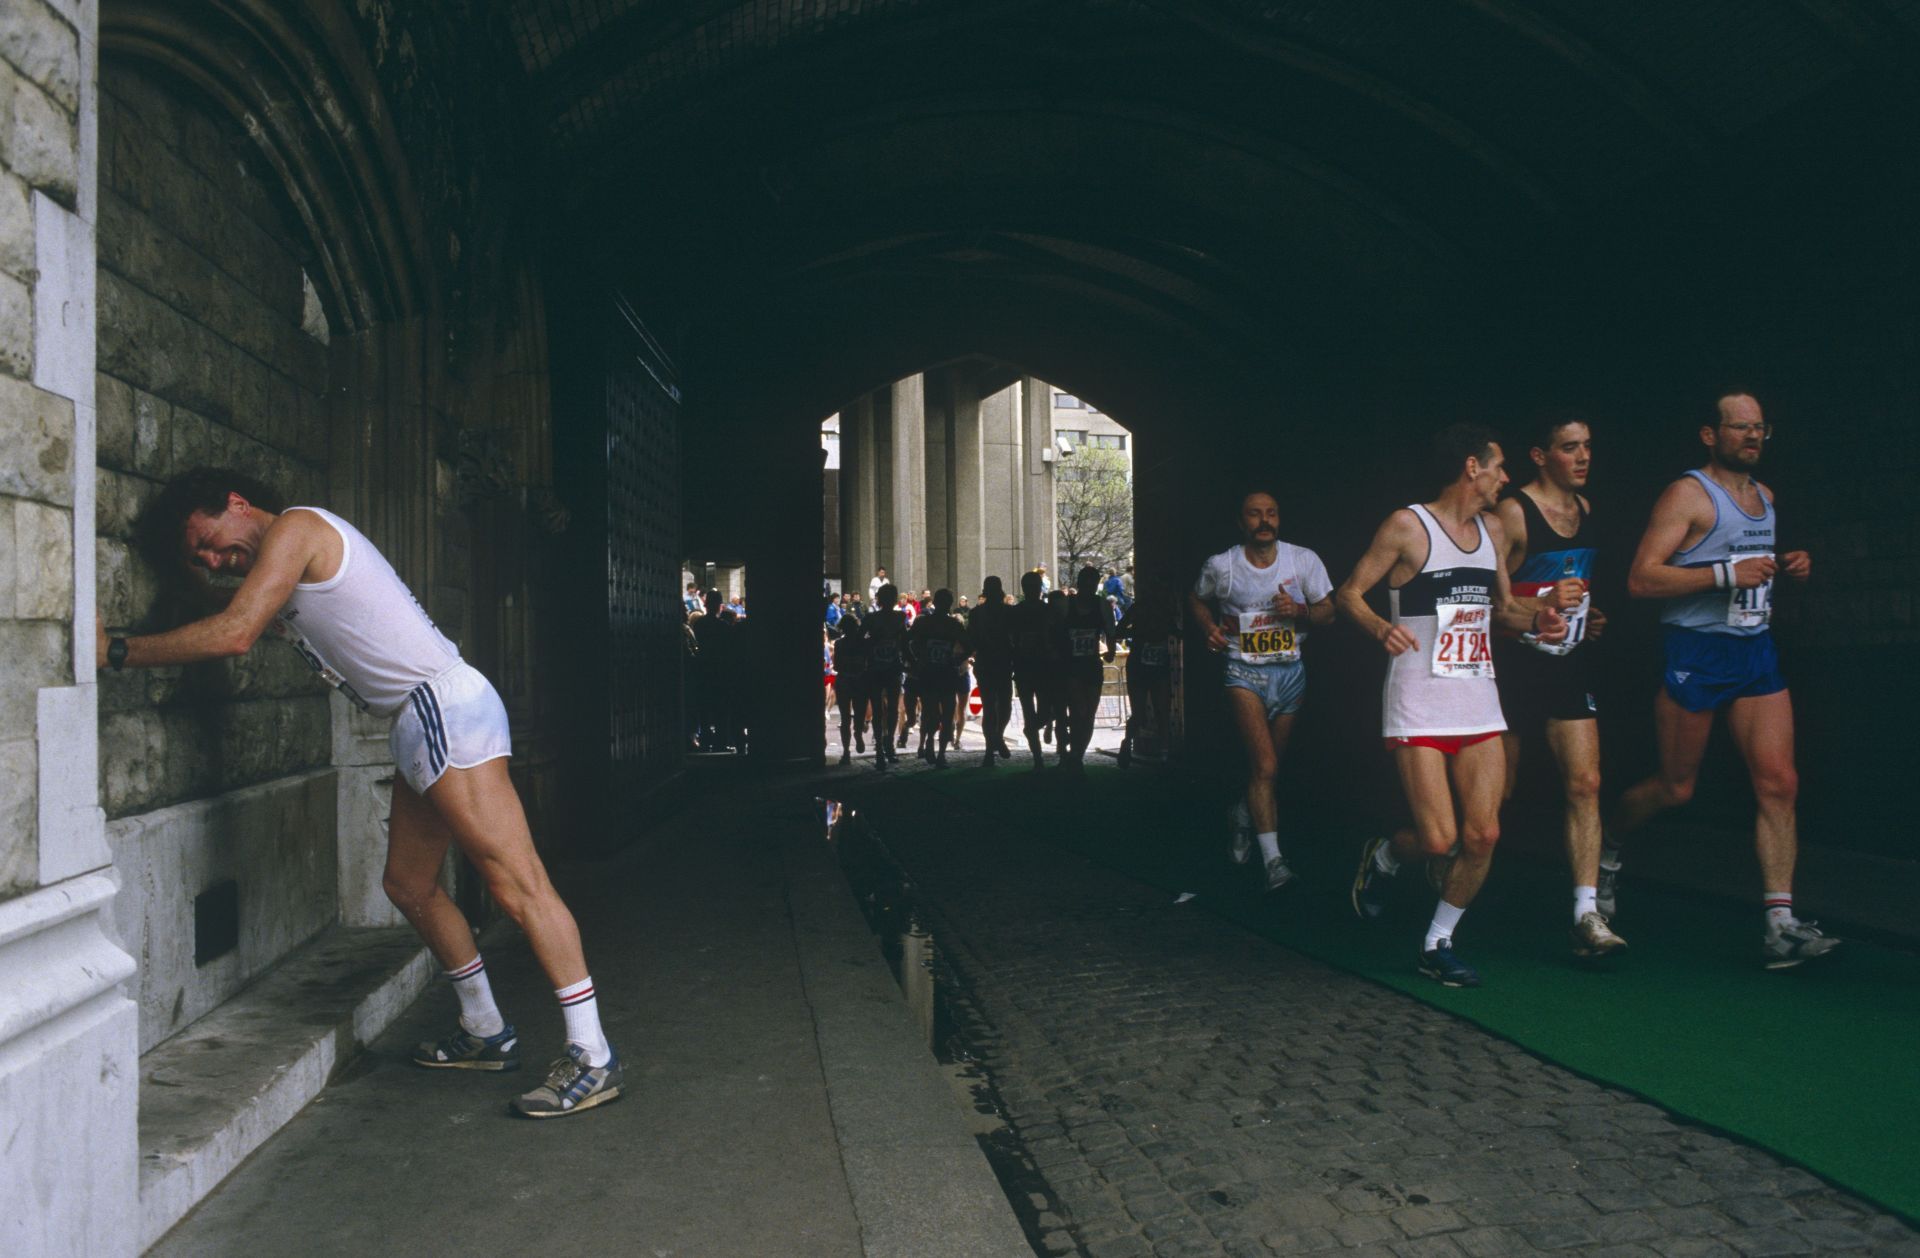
(1278, 875)
(1592, 937)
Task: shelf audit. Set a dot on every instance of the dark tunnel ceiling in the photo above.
(1212, 177)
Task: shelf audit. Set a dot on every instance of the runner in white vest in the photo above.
(1447, 594)
(1255, 602)
(314, 580)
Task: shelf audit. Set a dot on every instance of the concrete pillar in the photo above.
(966, 503)
(68, 1032)
(909, 430)
(782, 461)
(1040, 540)
(940, 386)
(859, 507)
(1003, 473)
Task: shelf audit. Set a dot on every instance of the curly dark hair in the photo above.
(1453, 446)
(159, 528)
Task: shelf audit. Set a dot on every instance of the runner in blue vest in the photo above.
(1711, 552)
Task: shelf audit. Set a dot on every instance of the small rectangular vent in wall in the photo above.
(216, 921)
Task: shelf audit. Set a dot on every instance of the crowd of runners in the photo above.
(1489, 611)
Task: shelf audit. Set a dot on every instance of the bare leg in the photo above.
(1510, 743)
(1576, 748)
(1763, 730)
(481, 808)
(1477, 772)
(1681, 737)
(417, 842)
(1423, 776)
(1263, 760)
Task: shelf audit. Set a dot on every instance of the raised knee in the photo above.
(1437, 843)
(1583, 784)
(407, 894)
(1677, 792)
(1479, 839)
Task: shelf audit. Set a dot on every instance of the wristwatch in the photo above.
(116, 653)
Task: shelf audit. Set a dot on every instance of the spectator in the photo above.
(691, 601)
(833, 613)
(873, 586)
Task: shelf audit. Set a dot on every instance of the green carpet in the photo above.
(1815, 1064)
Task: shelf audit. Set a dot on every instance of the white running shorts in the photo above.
(455, 721)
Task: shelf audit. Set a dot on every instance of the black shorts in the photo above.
(1536, 687)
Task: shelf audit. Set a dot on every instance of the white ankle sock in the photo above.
(1445, 918)
(1585, 900)
(1385, 861)
(478, 1014)
(1269, 845)
(582, 1011)
(1779, 908)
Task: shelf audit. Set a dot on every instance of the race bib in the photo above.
(1576, 618)
(1151, 654)
(1267, 639)
(1463, 641)
(1750, 609)
(1085, 642)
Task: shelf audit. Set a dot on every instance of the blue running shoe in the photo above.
(1371, 884)
(1444, 968)
(464, 1050)
(572, 1085)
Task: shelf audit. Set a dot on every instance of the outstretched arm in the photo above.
(286, 550)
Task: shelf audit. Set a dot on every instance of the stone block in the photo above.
(43, 562)
(275, 840)
(40, 142)
(7, 568)
(364, 801)
(38, 43)
(189, 441)
(36, 437)
(35, 652)
(16, 226)
(118, 500)
(114, 438)
(152, 419)
(19, 814)
(125, 587)
(16, 328)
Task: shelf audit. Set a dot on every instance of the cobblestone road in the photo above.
(1187, 1088)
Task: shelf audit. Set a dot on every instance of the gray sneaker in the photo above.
(1606, 890)
(572, 1085)
(1592, 937)
(1278, 875)
(464, 1050)
(1240, 827)
(1787, 946)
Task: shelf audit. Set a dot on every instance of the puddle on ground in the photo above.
(942, 1007)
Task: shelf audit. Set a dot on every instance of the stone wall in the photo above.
(212, 350)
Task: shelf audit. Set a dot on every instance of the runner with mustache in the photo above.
(1254, 602)
(1711, 552)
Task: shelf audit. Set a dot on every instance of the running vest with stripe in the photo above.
(1734, 535)
(362, 630)
(1551, 558)
(1444, 686)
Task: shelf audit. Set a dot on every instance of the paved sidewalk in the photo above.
(1184, 1087)
(779, 1101)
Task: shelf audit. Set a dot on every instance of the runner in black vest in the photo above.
(1036, 664)
(884, 632)
(1548, 689)
(990, 629)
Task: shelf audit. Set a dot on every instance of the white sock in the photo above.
(1269, 845)
(478, 1014)
(582, 1011)
(1585, 900)
(1440, 930)
(1779, 908)
(1385, 861)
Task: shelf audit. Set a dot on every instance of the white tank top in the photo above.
(1245, 595)
(1445, 685)
(362, 629)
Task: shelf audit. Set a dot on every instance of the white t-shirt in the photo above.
(1244, 595)
(362, 630)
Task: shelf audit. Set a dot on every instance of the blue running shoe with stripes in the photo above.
(1440, 965)
(572, 1085)
(464, 1050)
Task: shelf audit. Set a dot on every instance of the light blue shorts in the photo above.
(1280, 687)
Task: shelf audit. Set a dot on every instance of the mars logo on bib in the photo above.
(1463, 642)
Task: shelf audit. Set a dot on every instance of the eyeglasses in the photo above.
(1748, 430)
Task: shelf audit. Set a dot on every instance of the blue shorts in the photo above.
(1706, 671)
(1280, 687)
